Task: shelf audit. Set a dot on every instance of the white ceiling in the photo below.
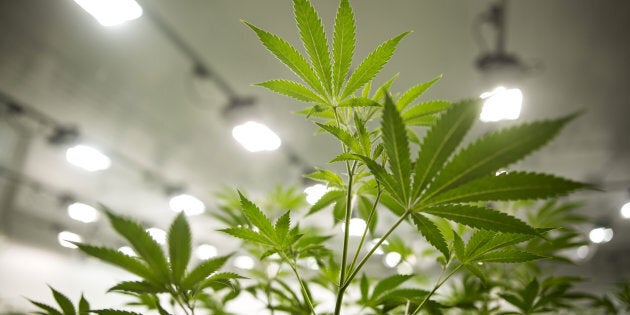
(130, 91)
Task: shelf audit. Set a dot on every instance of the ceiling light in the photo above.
(128, 251)
(315, 192)
(66, 237)
(501, 104)
(357, 227)
(191, 205)
(600, 235)
(256, 137)
(272, 269)
(392, 259)
(82, 212)
(244, 262)
(206, 251)
(582, 252)
(87, 158)
(111, 12)
(158, 235)
(625, 210)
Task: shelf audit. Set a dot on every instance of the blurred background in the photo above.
(134, 107)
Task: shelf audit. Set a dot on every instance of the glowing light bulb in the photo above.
(600, 235)
(315, 192)
(392, 259)
(625, 211)
(357, 226)
(158, 235)
(111, 12)
(66, 237)
(87, 158)
(206, 251)
(256, 137)
(83, 213)
(191, 205)
(501, 104)
(244, 262)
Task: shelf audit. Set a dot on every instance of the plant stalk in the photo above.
(369, 220)
(439, 283)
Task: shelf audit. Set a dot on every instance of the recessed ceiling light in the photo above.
(111, 12)
(158, 235)
(315, 192)
(87, 158)
(206, 251)
(191, 205)
(256, 137)
(66, 237)
(82, 212)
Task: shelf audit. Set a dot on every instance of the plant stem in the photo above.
(181, 304)
(348, 280)
(438, 284)
(304, 290)
(370, 218)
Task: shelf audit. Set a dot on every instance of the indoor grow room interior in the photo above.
(135, 108)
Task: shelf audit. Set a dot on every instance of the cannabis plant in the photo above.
(406, 163)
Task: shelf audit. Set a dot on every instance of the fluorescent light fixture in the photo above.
(128, 251)
(392, 259)
(315, 192)
(83, 213)
(357, 226)
(244, 262)
(158, 235)
(87, 158)
(206, 251)
(66, 237)
(111, 12)
(191, 205)
(625, 210)
(501, 104)
(256, 137)
(601, 235)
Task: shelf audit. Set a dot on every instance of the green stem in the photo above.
(304, 290)
(369, 220)
(179, 302)
(438, 284)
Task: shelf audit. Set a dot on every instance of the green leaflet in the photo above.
(292, 89)
(257, 217)
(327, 199)
(142, 243)
(330, 178)
(420, 114)
(314, 40)
(493, 151)
(508, 256)
(397, 148)
(64, 302)
(51, 310)
(219, 280)
(388, 284)
(481, 218)
(441, 141)
(343, 44)
(413, 93)
(289, 56)
(179, 246)
(511, 186)
(120, 260)
(345, 137)
(282, 228)
(84, 306)
(359, 102)
(248, 234)
(431, 233)
(387, 180)
(113, 312)
(380, 92)
(202, 271)
(136, 287)
(371, 65)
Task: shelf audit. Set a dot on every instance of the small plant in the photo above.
(394, 175)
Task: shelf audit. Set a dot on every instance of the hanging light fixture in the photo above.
(502, 71)
(111, 12)
(253, 135)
